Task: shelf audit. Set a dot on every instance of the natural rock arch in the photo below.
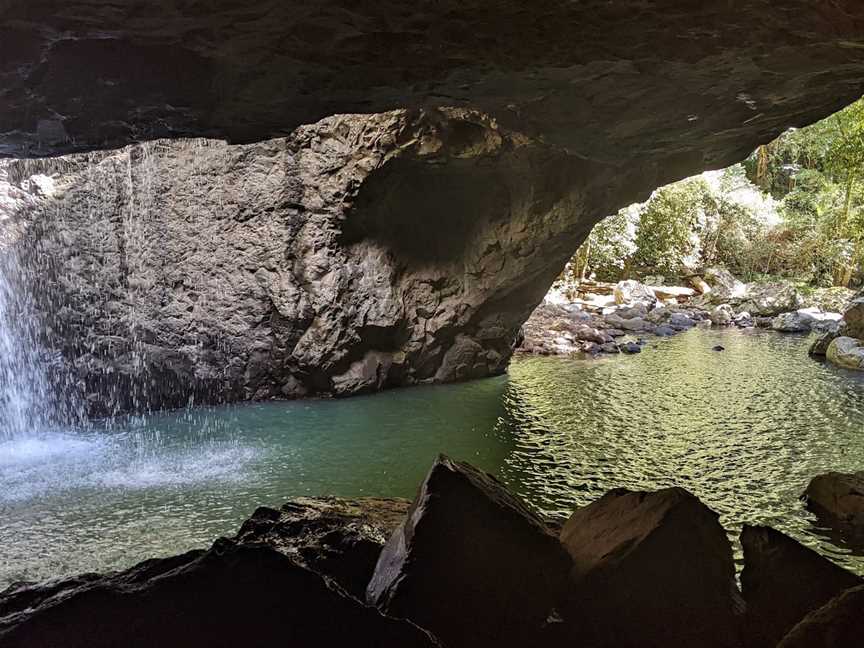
(362, 251)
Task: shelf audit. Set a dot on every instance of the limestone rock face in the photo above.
(649, 570)
(360, 252)
(838, 624)
(231, 595)
(471, 563)
(782, 582)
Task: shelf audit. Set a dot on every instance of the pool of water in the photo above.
(744, 429)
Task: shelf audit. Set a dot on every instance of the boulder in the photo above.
(771, 299)
(665, 331)
(630, 348)
(798, 321)
(673, 294)
(632, 324)
(853, 316)
(837, 497)
(649, 570)
(338, 538)
(700, 285)
(471, 561)
(820, 344)
(722, 315)
(846, 352)
(743, 319)
(782, 582)
(724, 286)
(230, 595)
(638, 309)
(831, 300)
(681, 321)
(632, 292)
(720, 279)
(837, 624)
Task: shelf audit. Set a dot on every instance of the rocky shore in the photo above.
(596, 318)
(466, 564)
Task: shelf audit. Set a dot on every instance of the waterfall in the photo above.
(32, 398)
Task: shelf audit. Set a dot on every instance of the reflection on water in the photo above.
(144, 486)
(744, 429)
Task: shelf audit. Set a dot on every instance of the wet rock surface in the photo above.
(179, 271)
(649, 569)
(782, 582)
(470, 562)
(229, 595)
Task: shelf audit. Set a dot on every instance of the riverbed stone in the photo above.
(724, 286)
(722, 315)
(837, 624)
(771, 299)
(230, 595)
(846, 352)
(838, 498)
(631, 291)
(820, 345)
(471, 562)
(853, 317)
(799, 321)
(650, 569)
(782, 582)
(337, 537)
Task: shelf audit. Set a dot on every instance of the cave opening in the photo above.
(225, 228)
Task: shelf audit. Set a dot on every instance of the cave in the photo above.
(220, 220)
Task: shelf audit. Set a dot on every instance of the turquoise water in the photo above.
(744, 429)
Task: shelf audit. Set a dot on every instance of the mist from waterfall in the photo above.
(32, 402)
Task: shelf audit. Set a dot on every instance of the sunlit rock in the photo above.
(631, 292)
(175, 272)
(722, 315)
(846, 352)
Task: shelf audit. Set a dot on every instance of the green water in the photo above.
(744, 429)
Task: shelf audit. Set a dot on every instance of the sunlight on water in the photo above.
(744, 429)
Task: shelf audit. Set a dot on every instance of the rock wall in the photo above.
(361, 252)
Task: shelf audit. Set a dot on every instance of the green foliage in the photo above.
(814, 231)
(667, 236)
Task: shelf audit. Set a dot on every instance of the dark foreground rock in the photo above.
(471, 563)
(650, 570)
(782, 582)
(231, 595)
(336, 537)
(838, 624)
